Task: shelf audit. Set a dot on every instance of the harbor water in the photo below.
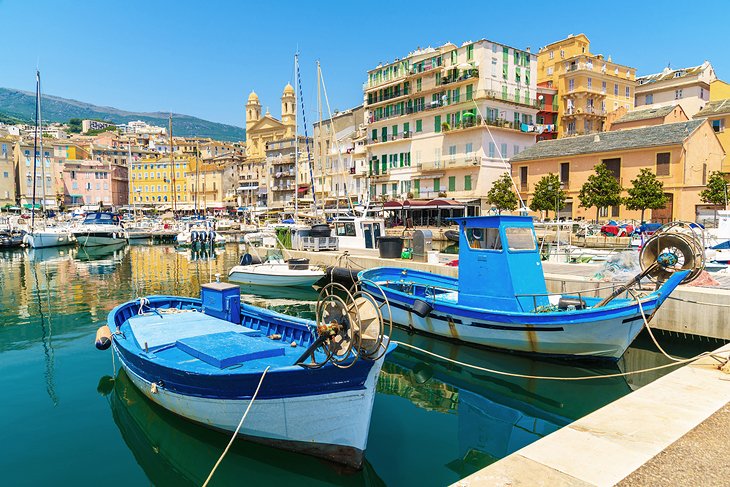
(68, 416)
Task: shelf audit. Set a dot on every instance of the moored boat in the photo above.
(500, 299)
(203, 358)
(294, 273)
(100, 228)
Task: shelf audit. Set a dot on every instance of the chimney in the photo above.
(596, 138)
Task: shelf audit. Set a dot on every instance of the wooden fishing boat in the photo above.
(203, 358)
(500, 298)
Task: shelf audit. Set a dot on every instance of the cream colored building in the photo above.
(7, 172)
(47, 173)
(687, 87)
(443, 122)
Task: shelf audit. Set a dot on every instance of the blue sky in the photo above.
(203, 58)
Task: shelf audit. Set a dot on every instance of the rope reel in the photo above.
(675, 247)
(350, 326)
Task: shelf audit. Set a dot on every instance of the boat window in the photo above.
(484, 238)
(520, 238)
(345, 229)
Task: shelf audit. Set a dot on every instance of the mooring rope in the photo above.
(238, 428)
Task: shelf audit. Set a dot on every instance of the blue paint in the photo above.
(228, 348)
(222, 300)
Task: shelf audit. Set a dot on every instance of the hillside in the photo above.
(20, 105)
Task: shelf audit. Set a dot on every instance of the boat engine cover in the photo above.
(563, 303)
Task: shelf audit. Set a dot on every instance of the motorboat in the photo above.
(358, 231)
(293, 273)
(100, 228)
(500, 298)
(49, 237)
(205, 360)
(200, 235)
(11, 239)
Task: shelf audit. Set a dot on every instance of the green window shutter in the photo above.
(384, 163)
(527, 77)
(416, 187)
(384, 134)
(384, 188)
(517, 95)
(467, 183)
(517, 120)
(406, 127)
(469, 92)
(452, 183)
(437, 123)
(504, 92)
(419, 125)
(438, 78)
(408, 159)
(518, 74)
(456, 94)
(371, 167)
(401, 159)
(517, 57)
(394, 130)
(505, 55)
(505, 70)
(375, 134)
(436, 184)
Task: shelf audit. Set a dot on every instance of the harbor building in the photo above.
(282, 181)
(46, 173)
(681, 154)
(589, 85)
(645, 117)
(717, 111)
(151, 181)
(442, 122)
(341, 167)
(214, 185)
(261, 130)
(91, 183)
(547, 112)
(687, 87)
(7, 172)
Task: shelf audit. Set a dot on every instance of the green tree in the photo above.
(548, 195)
(601, 190)
(501, 196)
(74, 126)
(715, 192)
(646, 193)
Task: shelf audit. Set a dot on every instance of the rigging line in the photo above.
(306, 136)
(35, 148)
(335, 141)
(506, 163)
(47, 348)
(238, 428)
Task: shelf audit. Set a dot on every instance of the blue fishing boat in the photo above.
(203, 359)
(500, 298)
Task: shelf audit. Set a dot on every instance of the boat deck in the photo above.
(192, 341)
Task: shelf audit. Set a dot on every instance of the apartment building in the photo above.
(589, 85)
(717, 111)
(442, 122)
(156, 182)
(687, 87)
(284, 159)
(47, 172)
(7, 172)
(341, 167)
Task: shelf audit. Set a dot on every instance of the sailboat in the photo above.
(46, 236)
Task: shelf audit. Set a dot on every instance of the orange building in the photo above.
(681, 154)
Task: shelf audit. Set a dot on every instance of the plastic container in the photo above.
(390, 247)
(298, 264)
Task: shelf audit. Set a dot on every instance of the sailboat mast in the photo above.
(296, 150)
(129, 177)
(172, 171)
(43, 165)
(322, 150)
(197, 178)
(35, 147)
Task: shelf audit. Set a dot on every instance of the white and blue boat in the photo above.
(203, 359)
(500, 299)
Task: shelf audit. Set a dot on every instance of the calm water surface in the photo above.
(65, 421)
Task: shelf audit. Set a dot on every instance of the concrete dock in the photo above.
(673, 431)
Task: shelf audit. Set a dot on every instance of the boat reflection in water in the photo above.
(176, 452)
(496, 415)
(103, 259)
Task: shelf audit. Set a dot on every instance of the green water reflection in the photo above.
(433, 422)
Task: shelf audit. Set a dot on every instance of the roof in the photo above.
(655, 136)
(646, 114)
(668, 73)
(717, 107)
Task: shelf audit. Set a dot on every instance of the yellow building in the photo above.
(588, 85)
(717, 111)
(151, 182)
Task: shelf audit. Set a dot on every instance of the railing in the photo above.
(581, 293)
(469, 74)
(389, 96)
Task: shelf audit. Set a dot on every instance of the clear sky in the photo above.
(203, 58)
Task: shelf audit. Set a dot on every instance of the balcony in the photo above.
(466, 75)
(390, 96)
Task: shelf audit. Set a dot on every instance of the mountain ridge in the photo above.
(20, 104)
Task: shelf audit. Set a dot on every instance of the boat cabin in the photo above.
(499, 263)
(101, 218)
(358, 232)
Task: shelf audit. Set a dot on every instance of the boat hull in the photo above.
(42, 240)
(292, 423)
(98, 239)
(248, 275)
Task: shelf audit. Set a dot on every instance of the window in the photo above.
(550, 70)
(503, 154)
(469, 92)
(515, 150)
(628, 92)
(603, 87)
(419, 126)
(6, 175)
(436, 184)
(615, 89)
(562, 54)
(519, 238)
(571, 84)
(614, 165)
(565, 173)
(452, 183)
(492, 149)
(662, 163)
(718, 125)
(470, 52)
(437, 123)
(590, 83)
(484, 238)
(494, 68)
(649, 99)
(551, 55)
(467, 182)
(523, 178)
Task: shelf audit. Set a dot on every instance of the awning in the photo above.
(29, 206)
(303, 190)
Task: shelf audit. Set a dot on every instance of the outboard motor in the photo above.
(211, 237)
(193, 236)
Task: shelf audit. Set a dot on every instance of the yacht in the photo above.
(100, 228)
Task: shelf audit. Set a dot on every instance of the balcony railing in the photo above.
(466, 75)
